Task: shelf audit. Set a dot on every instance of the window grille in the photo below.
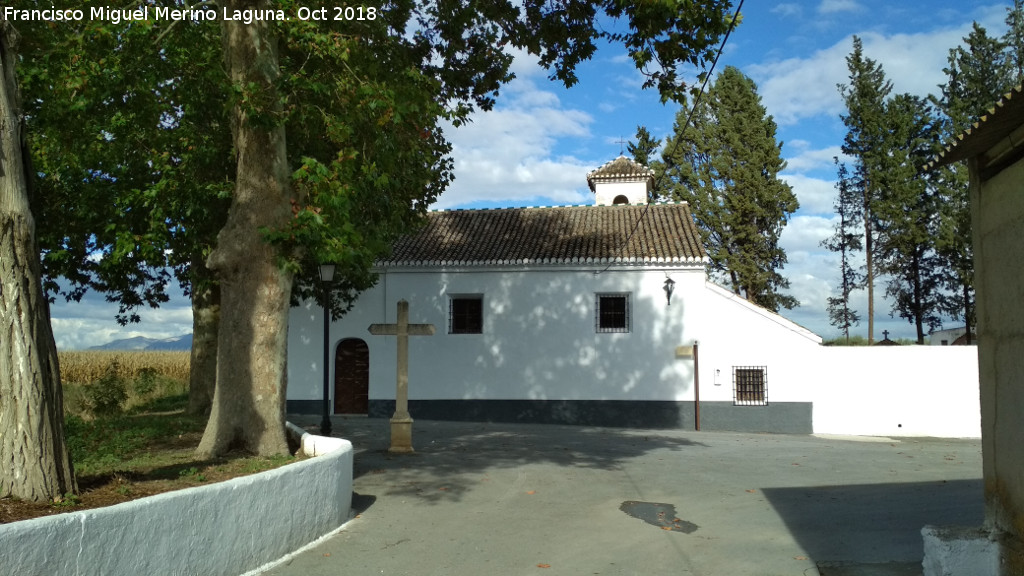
(466, 315)
(750, 385)
(612, 312)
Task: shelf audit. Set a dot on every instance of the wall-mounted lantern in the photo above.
(670, 286)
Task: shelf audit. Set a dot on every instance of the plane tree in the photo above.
(34, 461)
(335, 148)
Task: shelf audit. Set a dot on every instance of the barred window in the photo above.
(750, 385)
(611, 312)
(466, 314)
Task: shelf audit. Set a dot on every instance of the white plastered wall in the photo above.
(539, 342)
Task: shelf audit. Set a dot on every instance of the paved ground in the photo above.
(548, 500)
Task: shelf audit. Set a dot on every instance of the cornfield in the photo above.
(83, 367)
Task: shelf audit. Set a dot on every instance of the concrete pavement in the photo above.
(512, 499)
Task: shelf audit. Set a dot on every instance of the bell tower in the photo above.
(621, 181)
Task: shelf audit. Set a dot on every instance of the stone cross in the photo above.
(885, 334)
(401, 422)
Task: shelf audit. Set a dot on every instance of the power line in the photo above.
(689, 118)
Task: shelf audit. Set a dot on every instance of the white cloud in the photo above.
(805, 233)
(833, 6)
(800, 157)
(787, 9)
(794, 89)
(91, 322)
(816, 196)
(507, 155)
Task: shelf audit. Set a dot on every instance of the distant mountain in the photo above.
(143, 343)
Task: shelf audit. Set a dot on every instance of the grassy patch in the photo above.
(141, 445)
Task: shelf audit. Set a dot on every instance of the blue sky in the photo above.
(537, 146)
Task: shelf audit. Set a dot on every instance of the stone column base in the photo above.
(401, 434)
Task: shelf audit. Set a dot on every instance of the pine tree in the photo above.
(865, 97)
(1014, 40)
(907, 213)
(726, 166)
(845, 240)
(978, 74)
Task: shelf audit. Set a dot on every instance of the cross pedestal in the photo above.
(401, 422)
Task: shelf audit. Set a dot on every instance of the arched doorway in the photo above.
(352, 377)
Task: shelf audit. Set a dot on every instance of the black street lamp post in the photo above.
(326, 277)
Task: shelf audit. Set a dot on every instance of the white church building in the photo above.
(595, 315)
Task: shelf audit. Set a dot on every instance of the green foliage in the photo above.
(907, 214)
(865, 142)
(726, 165)
(107, 443)
(146, 382)
(130, 140)
(978, 74)
(644, 148)
(858, 340)
(130, 126)
(137, 133)
(69, 500)
(192, 473)
(106, 396)
(845, 241)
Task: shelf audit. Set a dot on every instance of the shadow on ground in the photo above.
(843, 524)
(451, 458)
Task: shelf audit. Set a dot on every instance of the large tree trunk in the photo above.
(248, 404)
(34, 461)
(202, 378)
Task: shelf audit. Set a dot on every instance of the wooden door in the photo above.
(352, 377)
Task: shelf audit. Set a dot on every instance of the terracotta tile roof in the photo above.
(559, 235)
(621, 169)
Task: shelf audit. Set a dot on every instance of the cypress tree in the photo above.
(726, 165)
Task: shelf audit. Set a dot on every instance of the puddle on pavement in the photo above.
(658, 514)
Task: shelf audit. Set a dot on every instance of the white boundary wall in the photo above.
(896, 391)
(223, 529)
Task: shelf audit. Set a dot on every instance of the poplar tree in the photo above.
(865, 96)
(726, 164)
(846, 240)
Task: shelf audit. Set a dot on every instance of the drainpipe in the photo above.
(696, 388)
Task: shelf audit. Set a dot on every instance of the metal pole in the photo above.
(696, 389)
(325, 423)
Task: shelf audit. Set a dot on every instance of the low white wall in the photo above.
(226, 529)
(896, 391)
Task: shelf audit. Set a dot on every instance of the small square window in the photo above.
(750, 385)
(466, 315)
(612, 312)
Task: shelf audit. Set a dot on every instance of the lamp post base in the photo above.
(401, 434)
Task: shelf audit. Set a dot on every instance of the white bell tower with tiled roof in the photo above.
(621, 181)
